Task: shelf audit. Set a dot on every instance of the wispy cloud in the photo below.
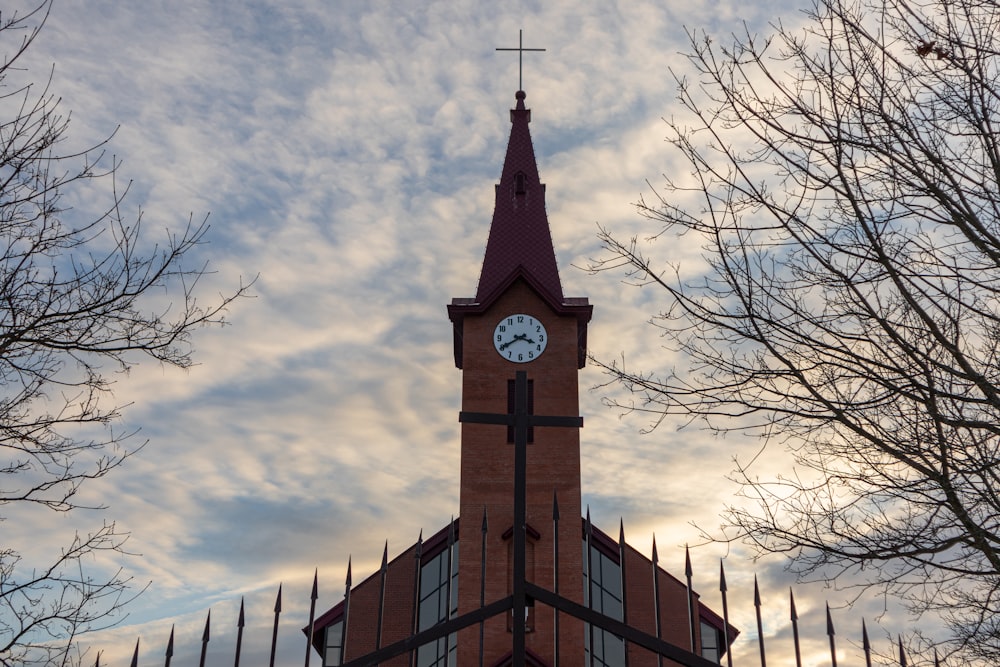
(347, 153)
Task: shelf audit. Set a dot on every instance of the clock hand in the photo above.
(516, 338)
(504, 346)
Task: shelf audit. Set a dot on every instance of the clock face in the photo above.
(520, 338)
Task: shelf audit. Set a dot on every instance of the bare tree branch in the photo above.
(846, 190)
(78, 296)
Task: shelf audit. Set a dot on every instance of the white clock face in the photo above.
(520, 338)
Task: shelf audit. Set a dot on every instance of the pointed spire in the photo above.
(519, 246)
(135, 655)
(520, 243)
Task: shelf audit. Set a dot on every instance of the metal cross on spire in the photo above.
(520, 57)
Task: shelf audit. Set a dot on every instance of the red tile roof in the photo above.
(520, 244)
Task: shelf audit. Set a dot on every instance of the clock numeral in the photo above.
(520, 319)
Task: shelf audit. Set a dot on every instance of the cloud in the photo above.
(347, 153)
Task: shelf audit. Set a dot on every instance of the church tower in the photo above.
(519, 320)
(485, 589)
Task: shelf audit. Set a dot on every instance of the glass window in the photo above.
(711, 643)
(334, 640)
(602, 591)
(437, 603)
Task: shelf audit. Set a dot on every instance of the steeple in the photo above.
(520, 245)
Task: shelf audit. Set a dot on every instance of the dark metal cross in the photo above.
(520, 57)
(521, 420)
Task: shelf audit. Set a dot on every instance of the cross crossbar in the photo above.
(520, 57)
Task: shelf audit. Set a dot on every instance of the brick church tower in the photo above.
(485, 589)
(520, 320)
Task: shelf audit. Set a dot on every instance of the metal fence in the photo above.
(651, 642)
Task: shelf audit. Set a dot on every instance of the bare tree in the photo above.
(844, 180)
(79, 298)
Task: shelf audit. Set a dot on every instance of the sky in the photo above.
(346, 153)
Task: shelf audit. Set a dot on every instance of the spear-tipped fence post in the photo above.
(866, 644)
(482, 583)
(313, 596)
(347, 610)
(795, 627)
(621, 567)
(206, 636)
(383, 572)
(760, 622)
(724, 590)
(274, 632)
(830, 632)
(451, 550)
(418, 555)
(555, 574)
(135, 655)
(589, 534)
(170, 648)
(656, 599)
(240, 624)
(688, 577)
